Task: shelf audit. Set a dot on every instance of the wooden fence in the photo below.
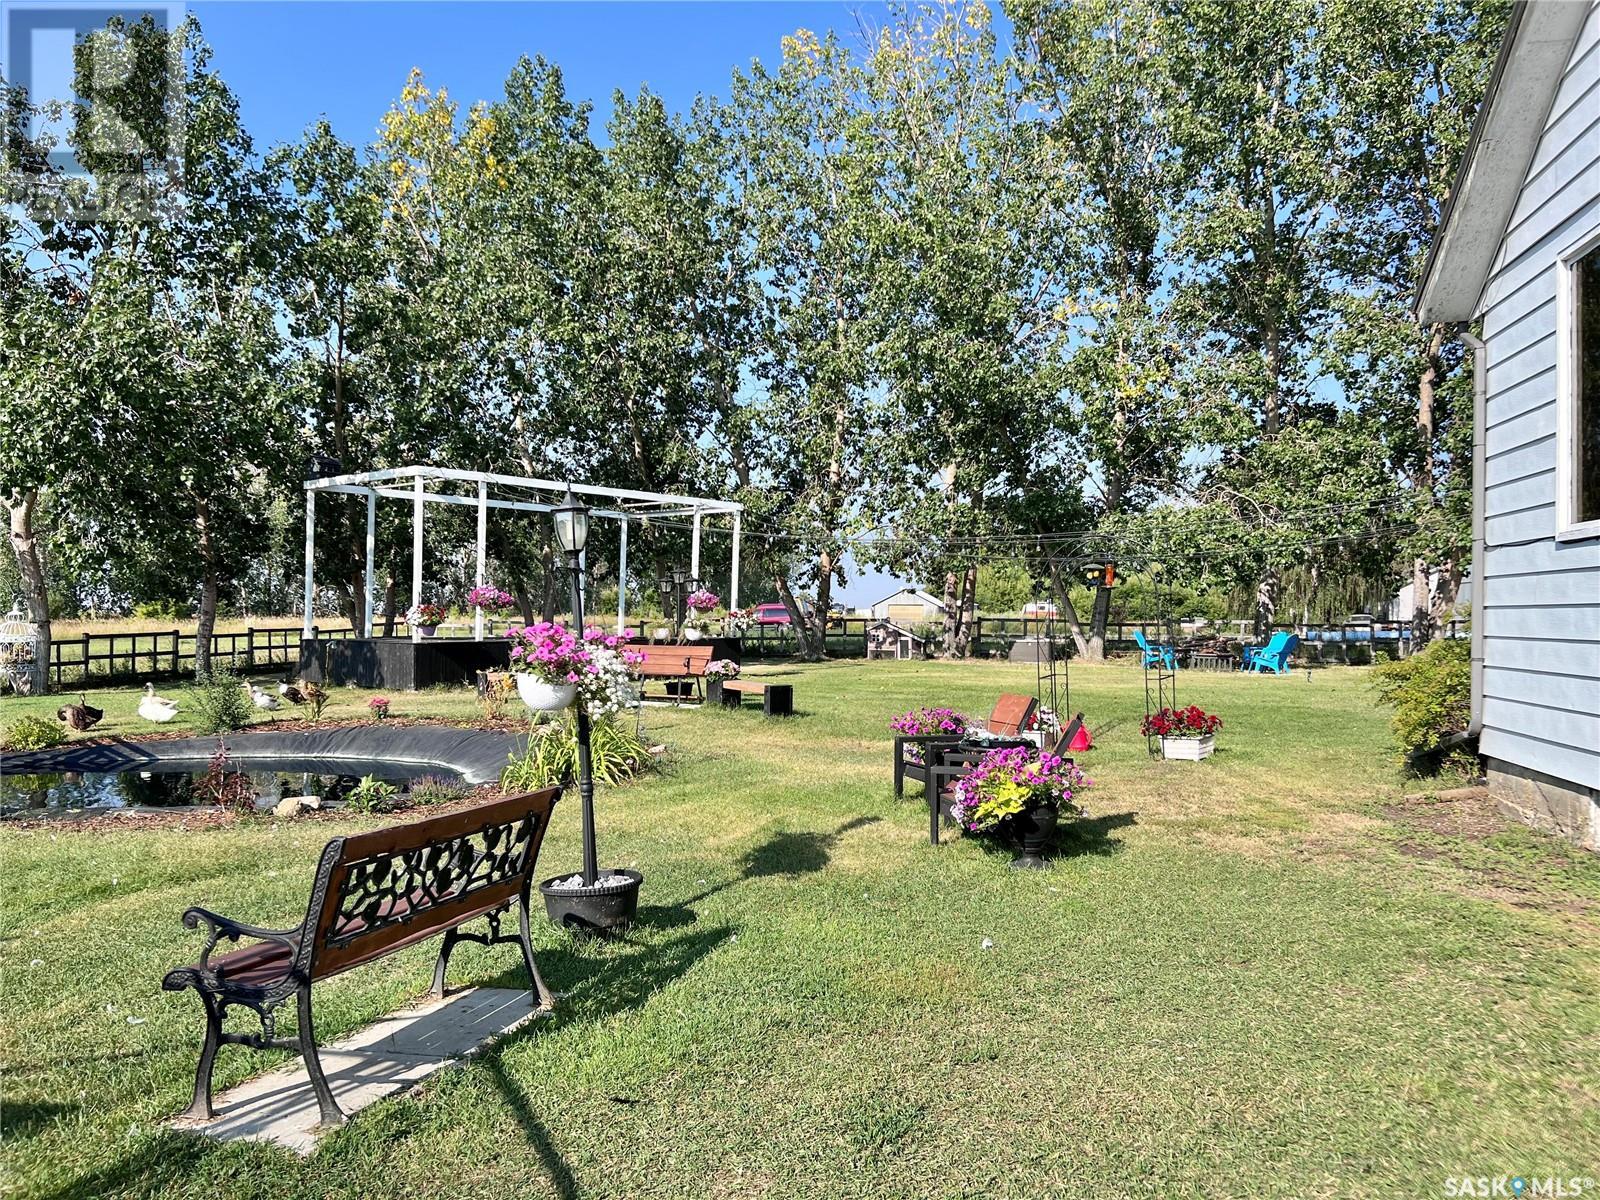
(113, 658)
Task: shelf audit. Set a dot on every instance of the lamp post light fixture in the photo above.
(571, 519)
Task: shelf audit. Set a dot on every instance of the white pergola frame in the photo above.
(517, 493)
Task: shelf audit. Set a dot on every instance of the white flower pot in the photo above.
(691, 635)
(1189, 749)
(661, 632)
(543, 696)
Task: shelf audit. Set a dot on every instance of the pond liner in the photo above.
(477, 755)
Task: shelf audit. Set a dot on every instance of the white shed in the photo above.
(1519, 248)
(908, 607)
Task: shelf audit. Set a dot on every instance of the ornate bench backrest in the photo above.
(376, 892)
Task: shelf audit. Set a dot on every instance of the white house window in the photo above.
(1578, 402)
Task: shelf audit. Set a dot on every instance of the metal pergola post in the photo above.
(416, 556)
(622, 578)
(733, 582)
(483, 546)
(310, 595)
(694, 547)
(372, 554)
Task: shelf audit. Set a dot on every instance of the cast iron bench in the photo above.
(1010, 717)
(777, 699)
(374, 893)
(678, 664)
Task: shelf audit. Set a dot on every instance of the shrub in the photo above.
(432, 789)
(1431, 693)
(220, 702)
(222, 785)
(161, 610)
(32, 733)
(616, 752)
(373, 795)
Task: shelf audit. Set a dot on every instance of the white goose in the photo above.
(156, 708)
(261, 698)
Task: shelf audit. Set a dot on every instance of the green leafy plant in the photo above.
(1432, 695)
(32, 733)
(433, 789)
(219, 702)
(616, 751)
(373, 795)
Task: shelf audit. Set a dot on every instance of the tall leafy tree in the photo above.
(1406, 80)
(973, 296)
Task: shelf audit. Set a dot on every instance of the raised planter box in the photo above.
(1189, 749)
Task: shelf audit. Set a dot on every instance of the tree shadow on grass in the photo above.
(25, 1118)
(1092, 835)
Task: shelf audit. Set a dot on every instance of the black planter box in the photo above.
(399, 664)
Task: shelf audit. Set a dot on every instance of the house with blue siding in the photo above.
(1518, 249)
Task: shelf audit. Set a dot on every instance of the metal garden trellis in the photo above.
(422, 485)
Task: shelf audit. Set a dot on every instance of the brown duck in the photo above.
(79, 717)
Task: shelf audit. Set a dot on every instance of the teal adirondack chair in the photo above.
(1157, 655)
(1274, 656)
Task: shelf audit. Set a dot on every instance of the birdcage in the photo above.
(19, 669)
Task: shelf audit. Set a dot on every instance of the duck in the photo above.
(79, 717)
(260, 697)
(157, 708)
(291, 693)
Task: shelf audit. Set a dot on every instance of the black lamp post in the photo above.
(572, 532)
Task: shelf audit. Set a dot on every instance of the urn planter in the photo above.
(608, 907)
(1037, 829)
(1188, 749)
(544, 696)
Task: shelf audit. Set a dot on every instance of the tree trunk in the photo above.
(1099, 619)
(388, 605)
(35, 591)
(952, 614)
(519, 589)
(206, 622)
(969, 611)
(797, 619)
(1266, 601)
(1063, 599)
(819, 617)
(1422, 483)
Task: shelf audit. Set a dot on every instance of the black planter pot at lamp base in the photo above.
(1036, 829)
(608, 906)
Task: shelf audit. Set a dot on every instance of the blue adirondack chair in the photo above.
(1156, 655)
(1274, 656)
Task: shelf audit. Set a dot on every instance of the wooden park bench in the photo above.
(681, 666)
(373, 893)
(777, 699)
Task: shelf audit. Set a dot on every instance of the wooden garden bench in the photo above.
(677, 664)
(373, 893)
(777, 699)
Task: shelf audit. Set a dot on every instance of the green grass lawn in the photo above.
(1263, 975)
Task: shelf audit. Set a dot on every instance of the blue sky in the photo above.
(291, 63)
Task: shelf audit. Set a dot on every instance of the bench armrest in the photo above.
(221, 927)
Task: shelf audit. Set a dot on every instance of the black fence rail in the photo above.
(113, 658)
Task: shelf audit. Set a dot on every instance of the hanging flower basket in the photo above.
(543, 696)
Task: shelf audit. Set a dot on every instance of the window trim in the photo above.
(1568, 527)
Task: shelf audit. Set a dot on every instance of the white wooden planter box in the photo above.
(1189, 749)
